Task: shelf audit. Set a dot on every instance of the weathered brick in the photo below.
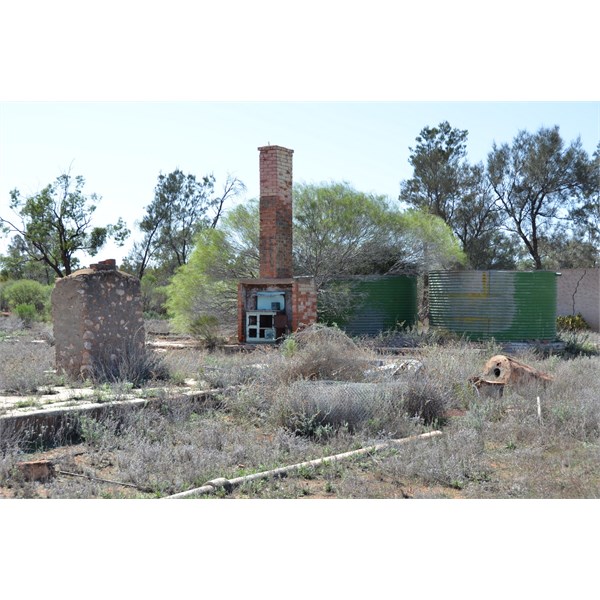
(275, 247)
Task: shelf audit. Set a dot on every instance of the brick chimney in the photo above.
(275, 244)
(276, 303)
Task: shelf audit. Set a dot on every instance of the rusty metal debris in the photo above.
(501, 370)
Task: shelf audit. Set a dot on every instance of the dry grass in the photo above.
(25, 358)
(135, 364)
(310, 398)
(322, 353)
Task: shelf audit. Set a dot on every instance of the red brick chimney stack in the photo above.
(275, 244)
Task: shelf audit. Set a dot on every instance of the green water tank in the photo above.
(505, 305)
(378, 304)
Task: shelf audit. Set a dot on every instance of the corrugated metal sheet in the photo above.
(504, 305)
(382, 303)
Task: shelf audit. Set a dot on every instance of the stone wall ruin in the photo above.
(97, 317)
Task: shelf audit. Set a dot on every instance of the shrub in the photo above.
(206, 328)
(571, 322)
(9, 324)
(26, 291)
(317, 409)
(24, 366)
(154, 296)
(577, 343)
(27, 314)
(320, 352)
(136, 365)
(428, 398)
(455, 460)
(198, 289)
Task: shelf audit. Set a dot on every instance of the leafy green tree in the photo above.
(538, 183)
(446, 185)
(339, 231)
(241, 227)
(154, 295)
(182, 207)
(439, 165)
(427, 243)
(201, 290)
(56, 223)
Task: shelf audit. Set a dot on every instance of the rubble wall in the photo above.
(97, 316)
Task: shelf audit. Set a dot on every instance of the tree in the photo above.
(339, 231)
(335, 228)
(427, 243)
(205, 288)
(565, 251)
(439, 164)
(55, 224)
(538, 183)
(203, 291)
(241, 226)
(181, 208)
(17, 264)
(586, 216)
(476, 223)
(446, 185)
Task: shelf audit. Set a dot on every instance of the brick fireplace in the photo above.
(277, 303)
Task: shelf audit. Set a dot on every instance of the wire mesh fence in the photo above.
(316, 408)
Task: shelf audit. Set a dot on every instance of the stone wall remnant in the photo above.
(97, 316)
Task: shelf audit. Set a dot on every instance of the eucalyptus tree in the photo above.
(181, 208)
(55, 224)
(538, 182)
(446, 185)
(439, 168)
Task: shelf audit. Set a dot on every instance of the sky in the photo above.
(120, 95)
(120, 148)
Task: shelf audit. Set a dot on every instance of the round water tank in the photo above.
(378, 304)
(504, 305)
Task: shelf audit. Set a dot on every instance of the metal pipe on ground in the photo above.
(228, 485)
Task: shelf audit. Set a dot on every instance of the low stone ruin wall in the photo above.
(97, 316)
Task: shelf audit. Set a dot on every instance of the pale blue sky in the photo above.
(121, 147)
(119, 94)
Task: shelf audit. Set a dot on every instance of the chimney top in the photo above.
(272, 147)
(105, 265)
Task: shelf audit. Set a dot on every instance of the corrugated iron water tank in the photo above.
(380, 303)
(504, 305)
